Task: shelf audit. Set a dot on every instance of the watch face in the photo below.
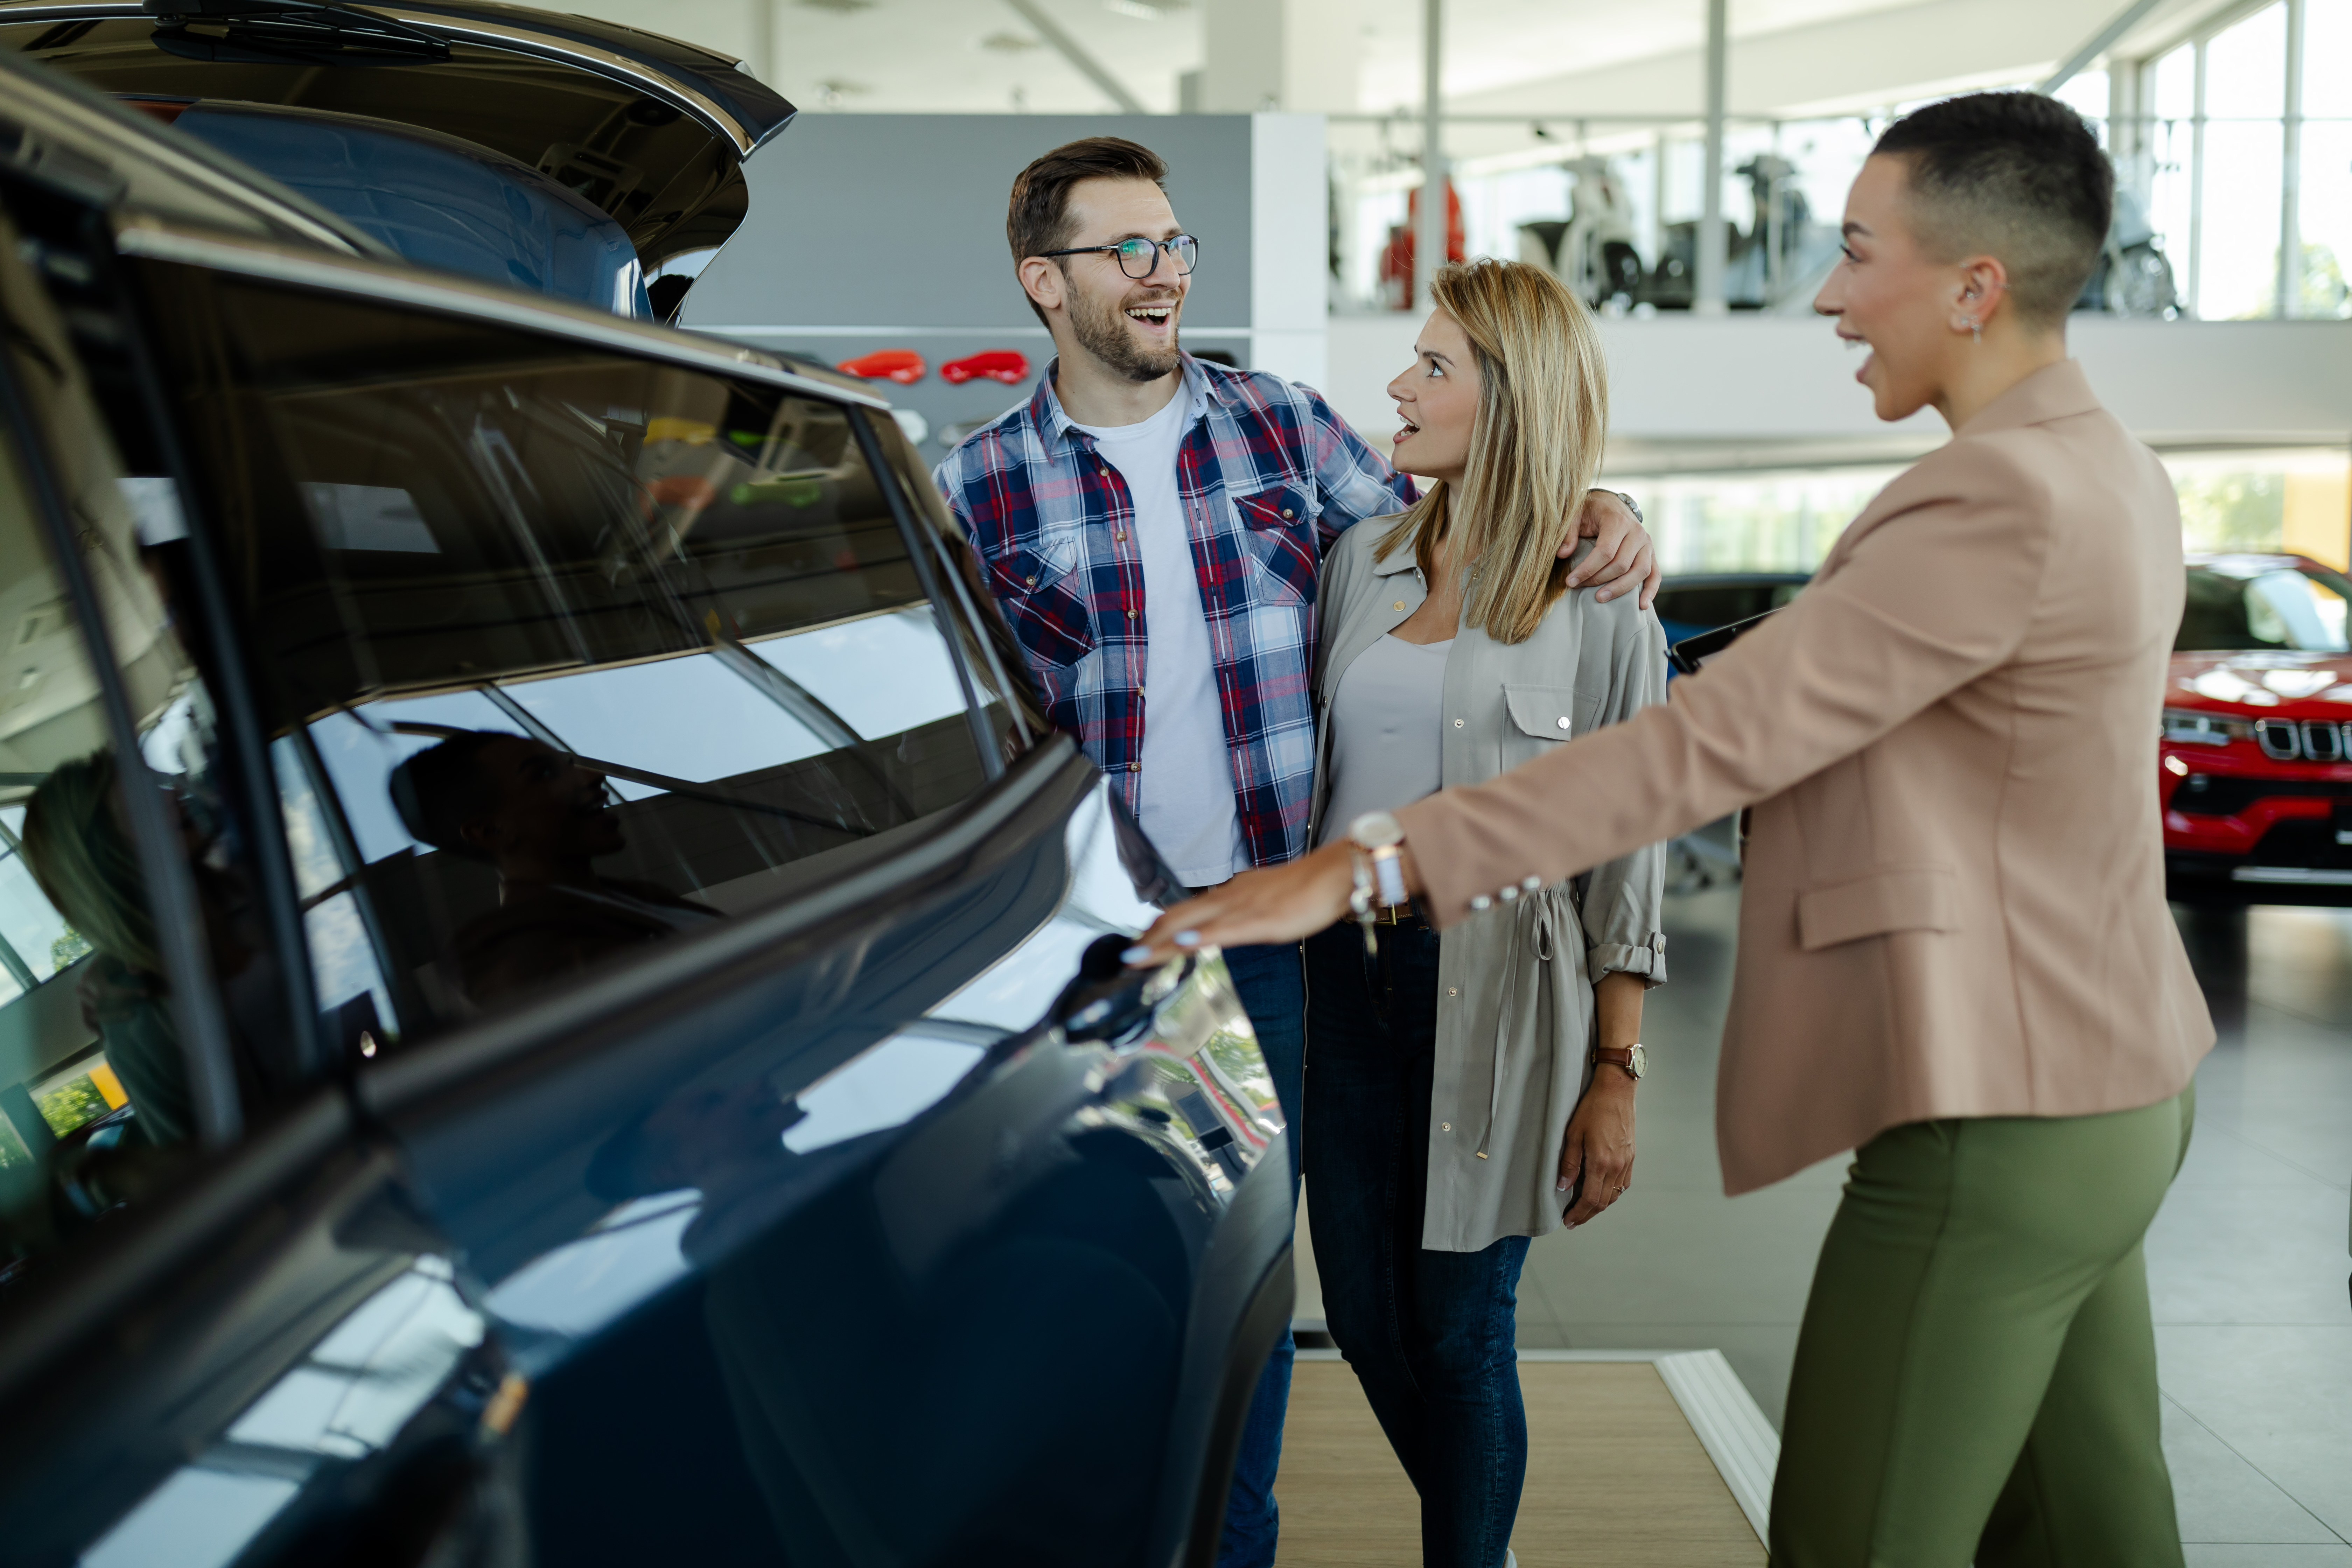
(1641, 1062)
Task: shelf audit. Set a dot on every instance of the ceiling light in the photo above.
(1008, 43)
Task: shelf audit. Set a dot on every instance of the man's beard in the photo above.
(1101, 328)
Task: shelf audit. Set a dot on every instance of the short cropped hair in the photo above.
(2012, 175)
(1037, 218)
(441, 789)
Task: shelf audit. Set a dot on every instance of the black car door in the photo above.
(691, 896)
(226, 1331)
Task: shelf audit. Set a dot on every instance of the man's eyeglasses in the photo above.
(1138, 257)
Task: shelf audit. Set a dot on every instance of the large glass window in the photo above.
(565, 653)
(2245, 94)
(2325, 167)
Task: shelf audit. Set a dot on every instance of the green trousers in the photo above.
(1976, 1376)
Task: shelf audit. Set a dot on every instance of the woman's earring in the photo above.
(1977, 328)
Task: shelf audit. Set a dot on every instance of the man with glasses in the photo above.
(1139, 477)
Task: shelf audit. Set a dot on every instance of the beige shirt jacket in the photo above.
(1954, 900)
(1514, 989)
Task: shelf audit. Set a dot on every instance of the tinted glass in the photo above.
(1720, 604)
(110, 1074)
(566, 653)
(2259, 603)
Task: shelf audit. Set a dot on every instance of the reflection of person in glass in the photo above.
(81, 855)
(542, 819)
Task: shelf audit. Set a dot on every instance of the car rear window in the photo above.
(567, 653)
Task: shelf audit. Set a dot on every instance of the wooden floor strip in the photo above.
(1615, 1476)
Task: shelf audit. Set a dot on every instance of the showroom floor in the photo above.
(2247, 1260)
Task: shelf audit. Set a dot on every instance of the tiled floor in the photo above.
(2247, 1261)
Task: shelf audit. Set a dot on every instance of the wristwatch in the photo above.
(1633, 506)
(1378, 863)
(1632, 1058)
(1380, 835)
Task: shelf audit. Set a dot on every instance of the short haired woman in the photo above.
(1454, 1110)
(1955, 955)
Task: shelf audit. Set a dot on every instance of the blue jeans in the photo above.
(1433, 1336)
(1274, 993)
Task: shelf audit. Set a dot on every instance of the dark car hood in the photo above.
(2278, 683)
(652, 130)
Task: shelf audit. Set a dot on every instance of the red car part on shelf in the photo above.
(2255, 766)
(1010, 367)
(904, 366)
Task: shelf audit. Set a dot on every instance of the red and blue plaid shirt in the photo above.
(1267, 476)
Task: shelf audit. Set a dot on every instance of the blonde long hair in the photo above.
(1534, 446)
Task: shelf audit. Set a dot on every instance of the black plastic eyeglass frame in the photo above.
(1118, 248)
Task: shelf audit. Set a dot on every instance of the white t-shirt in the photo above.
(1384, 723)
(1187, 795)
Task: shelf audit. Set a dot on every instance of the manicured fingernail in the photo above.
(1188, 939)
(1135, 954)
(1559, 1187)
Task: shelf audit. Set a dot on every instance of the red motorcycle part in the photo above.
(1010, 367)
(904, 366)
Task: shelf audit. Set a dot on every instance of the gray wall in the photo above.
(894, 223)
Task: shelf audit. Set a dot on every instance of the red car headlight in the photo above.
(2191, 727)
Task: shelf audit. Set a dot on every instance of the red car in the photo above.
(1010, 367)
(2254, 768)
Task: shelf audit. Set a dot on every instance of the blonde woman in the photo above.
(1454, 1108)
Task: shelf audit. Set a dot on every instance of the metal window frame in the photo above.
(197, 1011)
(148, 238)
(2198, 36)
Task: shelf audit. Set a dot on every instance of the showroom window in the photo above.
(568, 653)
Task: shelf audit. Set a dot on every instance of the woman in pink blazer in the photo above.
(1955, 953)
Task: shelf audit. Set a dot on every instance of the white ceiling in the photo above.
(967, 55)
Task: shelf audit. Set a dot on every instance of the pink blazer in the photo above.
(1954, 901)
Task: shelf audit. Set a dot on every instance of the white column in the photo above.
(1429, 238)
(1708, 294)
(2290, 277)
(760, 58)
(1290, 302)
(2195, 298)
(1301, 56)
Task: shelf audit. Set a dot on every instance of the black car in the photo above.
(1689, 603)
(557, 154)
(561, 1004)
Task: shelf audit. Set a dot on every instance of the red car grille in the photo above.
(2312, 740)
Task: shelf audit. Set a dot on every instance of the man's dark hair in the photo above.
(2012, 175)
(441, 789)
(1037, 218)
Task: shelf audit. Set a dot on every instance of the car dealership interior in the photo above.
(451, 442)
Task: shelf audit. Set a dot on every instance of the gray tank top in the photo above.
(1384, 723)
